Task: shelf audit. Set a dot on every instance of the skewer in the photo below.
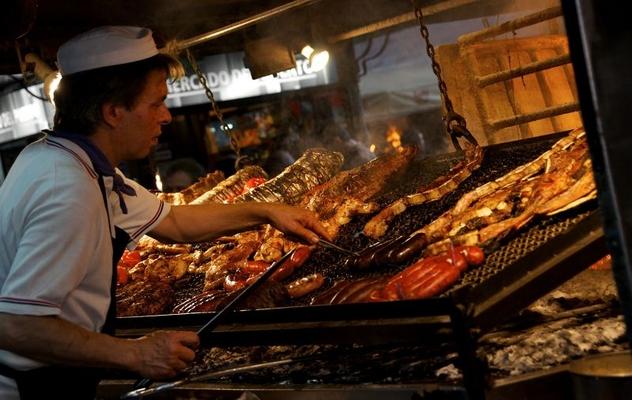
(330, 245)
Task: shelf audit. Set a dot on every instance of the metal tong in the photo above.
(143, 392)
(219, 316)
(329, 245)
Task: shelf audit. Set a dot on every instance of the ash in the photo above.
(557, 343)
(579, 318)
(328, 364)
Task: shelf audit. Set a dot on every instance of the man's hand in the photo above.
(164, 354)
(296, 221)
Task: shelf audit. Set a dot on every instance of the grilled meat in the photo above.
(185, 196)
(313, 168)
(378, 225)
(230, 188)
(143, 298)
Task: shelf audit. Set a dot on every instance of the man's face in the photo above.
(141, 125)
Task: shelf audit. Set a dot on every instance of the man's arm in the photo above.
(194, 223)
(52, 340)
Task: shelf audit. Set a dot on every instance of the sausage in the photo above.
(445, 278)
(452, 257)
(255, 267)
(328, 295)
(383, 256)
(411, 286)
(473, 254)
(297, 259)
(372, 256)
(376, 295)
(357, 286)
(305, 285)
(364, 294)
(234, 282)
(406, 250)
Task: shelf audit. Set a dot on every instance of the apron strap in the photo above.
(119, 244)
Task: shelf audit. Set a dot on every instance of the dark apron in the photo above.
(61, 382)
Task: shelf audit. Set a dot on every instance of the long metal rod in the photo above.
(545, 113)
(220, 315)
(512, 25)
(530, 68)
(246, 22)
(398, 20)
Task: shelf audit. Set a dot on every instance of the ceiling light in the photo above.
(45, 73)
(318, 59)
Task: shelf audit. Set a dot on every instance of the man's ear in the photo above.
(112, 114)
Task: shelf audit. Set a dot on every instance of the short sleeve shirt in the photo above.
(56, 251)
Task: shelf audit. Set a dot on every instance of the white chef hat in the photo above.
(105, 46)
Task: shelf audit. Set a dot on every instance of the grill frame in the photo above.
(480, 306)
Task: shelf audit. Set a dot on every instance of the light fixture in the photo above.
(318, 59)
(267, 56)
(46, 74)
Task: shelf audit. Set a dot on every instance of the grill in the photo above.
(518, 271)
(498, 160)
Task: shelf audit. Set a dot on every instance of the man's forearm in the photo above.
(206, 222)
(55, 341)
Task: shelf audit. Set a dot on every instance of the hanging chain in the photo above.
(455, 124)
(234, 142)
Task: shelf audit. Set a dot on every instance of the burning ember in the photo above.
(394, 137)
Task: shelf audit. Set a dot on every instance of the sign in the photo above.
(229, 79)
(23, 115)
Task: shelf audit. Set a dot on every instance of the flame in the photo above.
(372, 148)
(394, 137)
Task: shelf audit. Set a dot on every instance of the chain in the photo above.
(234, 143)
(455, 124)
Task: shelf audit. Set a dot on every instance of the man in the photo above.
(67, 214)
(180, 174)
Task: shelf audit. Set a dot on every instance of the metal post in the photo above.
(236, 26)
(600, 40)
(471, 367)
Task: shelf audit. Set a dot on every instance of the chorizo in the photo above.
(327, 296)
(255, 267)
(305, 285)
(364, 294)
(447, 275)
(406, 250)
(297, 259)
(473, 254)
(373, 256)
(355, 287)
(234, 282)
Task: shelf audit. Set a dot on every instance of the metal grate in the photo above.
(535, 236)
(498, 160)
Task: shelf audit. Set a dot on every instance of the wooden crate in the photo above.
(522, 95)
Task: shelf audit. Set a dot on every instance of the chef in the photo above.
(68, 213)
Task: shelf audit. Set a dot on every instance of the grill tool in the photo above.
(220, 315)
(329, 245)
(145, 391)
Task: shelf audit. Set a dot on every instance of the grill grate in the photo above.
(536, 235)
(497, 161)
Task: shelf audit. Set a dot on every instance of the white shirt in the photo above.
(56, 252)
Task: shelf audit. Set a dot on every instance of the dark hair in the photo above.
(79, 97)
